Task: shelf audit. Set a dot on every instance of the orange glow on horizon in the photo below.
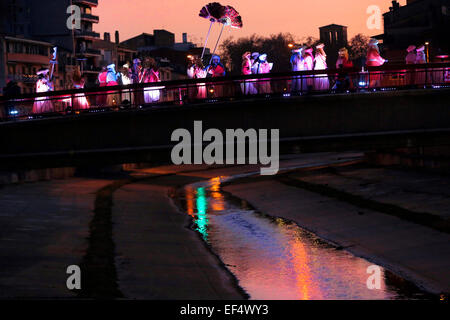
(301, 18)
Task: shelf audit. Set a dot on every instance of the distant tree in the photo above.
(276, 47)
(358, 50)
(358, 46)
(310, 41)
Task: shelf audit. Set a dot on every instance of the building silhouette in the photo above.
(113, 51)
(162, 47)
(334, 37)
(20, 59)
(417, 22)
(45, 21)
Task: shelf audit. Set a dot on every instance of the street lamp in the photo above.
(428, 53)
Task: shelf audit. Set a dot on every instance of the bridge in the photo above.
(381, 108)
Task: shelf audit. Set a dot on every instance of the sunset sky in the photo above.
(301, 18)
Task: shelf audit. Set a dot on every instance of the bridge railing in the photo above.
(181, 92)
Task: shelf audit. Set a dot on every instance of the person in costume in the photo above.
(421, 58)
(191, 67)
(254, 68)
(151, 75)
(264, 67)
(255, 62)
(127, 79)
(101, 98)
(43, 84)
(79, 100)
(247, 63)
(411, 56)
(248, 86)
(192, 89)
(321, 82)
(309, 66)
(343, 59)
(200, 73)
(298, 64)
(216, 69)
(137, 75)
(374, 59)
(137, 71)
(410, 59)
(343, 63)
(112, 80)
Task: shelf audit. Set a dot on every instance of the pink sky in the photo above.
(301, 18)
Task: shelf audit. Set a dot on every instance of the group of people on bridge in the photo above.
(303, 58)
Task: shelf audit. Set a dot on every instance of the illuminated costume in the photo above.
(343, 59)
(151, 94)
(248, 86)
(112, 81)
(216, 69)
(254, 69)
(246, 64)
(321, 82)
(411, 56)
(191, 70)
(192, 89)
(298, 64)
(410, 59)
(79, 100)
(101, 98)
(255, 62)
(309, 66)
(343, 63)
(137, 75)
(263, 68)
(374, 59)
(200, 73)
(126, 81)
(421, 73)
(43, 104)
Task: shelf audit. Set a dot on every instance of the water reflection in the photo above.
(275, 259)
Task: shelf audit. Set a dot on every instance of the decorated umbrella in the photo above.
(214, 12)
(230, 18)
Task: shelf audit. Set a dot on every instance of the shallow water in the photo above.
(276, 259)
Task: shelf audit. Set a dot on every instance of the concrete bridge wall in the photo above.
(350, 121)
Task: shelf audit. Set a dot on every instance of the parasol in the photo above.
(214, 12)
(230, 18)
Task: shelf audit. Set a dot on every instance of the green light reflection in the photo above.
(202, 220)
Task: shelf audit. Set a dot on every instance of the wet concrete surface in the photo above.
(416, 191)
(43, 229)
(158, 256)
